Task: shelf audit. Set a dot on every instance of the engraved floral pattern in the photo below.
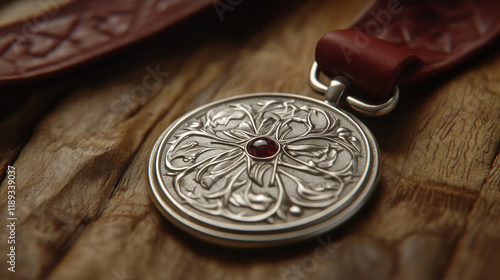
(213, 172)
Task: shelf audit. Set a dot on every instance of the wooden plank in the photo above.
(21, 109)
(478, 249)
(83, 205)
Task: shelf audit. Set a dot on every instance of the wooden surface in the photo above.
(80, 146)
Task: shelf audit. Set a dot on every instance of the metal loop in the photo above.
(334, 92)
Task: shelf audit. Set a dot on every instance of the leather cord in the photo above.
(404, 42)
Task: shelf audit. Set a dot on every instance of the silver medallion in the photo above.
(263, 169)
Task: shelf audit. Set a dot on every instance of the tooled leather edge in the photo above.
(83, 30)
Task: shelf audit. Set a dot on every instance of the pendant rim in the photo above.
(235, 234)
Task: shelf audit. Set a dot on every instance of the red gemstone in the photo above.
(262, 147)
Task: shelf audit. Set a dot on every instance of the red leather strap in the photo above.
(83, 30)
(403, 42)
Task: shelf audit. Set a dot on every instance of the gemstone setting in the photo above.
(262, 148)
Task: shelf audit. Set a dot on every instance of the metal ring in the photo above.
(372, 110)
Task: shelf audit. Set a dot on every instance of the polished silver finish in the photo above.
(203, 179)
(336, 90)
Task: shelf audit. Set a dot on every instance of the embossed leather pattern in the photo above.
(412, 41)
(83, 30)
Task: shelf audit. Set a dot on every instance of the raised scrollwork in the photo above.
(213, 172)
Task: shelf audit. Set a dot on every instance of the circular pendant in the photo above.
(263, 169)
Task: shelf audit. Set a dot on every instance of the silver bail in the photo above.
(335, 92)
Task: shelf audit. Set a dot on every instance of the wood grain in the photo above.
(82, 202)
